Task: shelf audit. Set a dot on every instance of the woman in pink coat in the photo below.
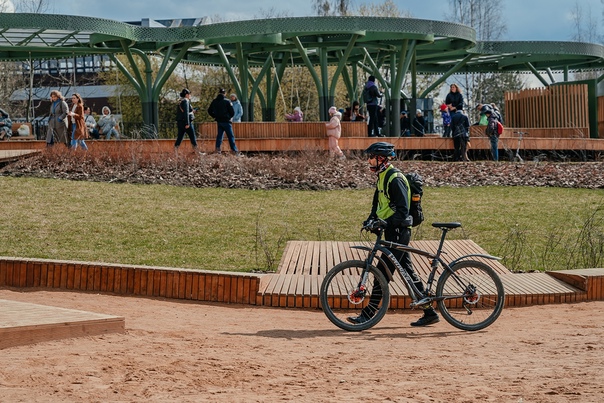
(334, 129)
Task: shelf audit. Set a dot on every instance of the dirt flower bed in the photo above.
(304, 171)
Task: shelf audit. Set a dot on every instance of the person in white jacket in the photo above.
(334, 130)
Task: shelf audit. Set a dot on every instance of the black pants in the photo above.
(460, 143)
(374, 123)
(181, 134)
(402, 236)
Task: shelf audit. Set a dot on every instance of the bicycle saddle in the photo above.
(449, 225)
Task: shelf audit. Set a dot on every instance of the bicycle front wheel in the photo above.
(352, 301)
(470, 296)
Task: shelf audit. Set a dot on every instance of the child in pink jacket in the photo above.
(334, 129)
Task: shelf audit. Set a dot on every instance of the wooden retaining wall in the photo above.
(198, 285)
(296, 285)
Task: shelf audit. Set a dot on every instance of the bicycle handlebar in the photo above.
(374, 225)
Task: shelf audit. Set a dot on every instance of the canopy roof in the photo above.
(441, 45)
(402, 44)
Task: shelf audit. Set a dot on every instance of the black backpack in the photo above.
(415, 183)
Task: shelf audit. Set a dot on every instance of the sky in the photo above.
(526, 19)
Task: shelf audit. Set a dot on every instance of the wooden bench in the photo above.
(15, 130)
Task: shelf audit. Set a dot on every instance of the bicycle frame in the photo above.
(417, 296)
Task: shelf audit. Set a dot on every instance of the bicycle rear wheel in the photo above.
(470, 296)
(344, 295)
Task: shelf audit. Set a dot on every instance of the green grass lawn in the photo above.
(243, 230)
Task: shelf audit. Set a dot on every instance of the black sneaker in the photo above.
(357, 320)
(427, 319)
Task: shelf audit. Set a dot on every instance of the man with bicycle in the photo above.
(391, 203)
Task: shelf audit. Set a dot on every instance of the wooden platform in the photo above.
(304, 265)
(12, 155)
(432, 143)
(295, 285)
(22, 323)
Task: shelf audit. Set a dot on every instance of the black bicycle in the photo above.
(469, 293)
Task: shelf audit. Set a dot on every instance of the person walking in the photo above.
(57, 123)
(371, 96)
(222, 111)
(391, 202)
(460, 126)
(334, 130)
(237, 108)
(184, 120)
(491, 131)
(77, 123)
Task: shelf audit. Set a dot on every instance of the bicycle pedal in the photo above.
(423, 303)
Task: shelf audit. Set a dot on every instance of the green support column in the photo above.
(309, 66)
(256, 86)
(325, 98)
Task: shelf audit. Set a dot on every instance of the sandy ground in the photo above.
(200, 352)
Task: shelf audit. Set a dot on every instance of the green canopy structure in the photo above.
(372, 44)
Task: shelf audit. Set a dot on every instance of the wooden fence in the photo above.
(279, 130)
(559, 106)
(601, 117)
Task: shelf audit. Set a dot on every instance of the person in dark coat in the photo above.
(455, 98)
(184, 120)
(460, 127)
(371, 96)
(222, 111)
(419, 124)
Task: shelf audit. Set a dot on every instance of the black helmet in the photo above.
(486, 109)
(381, 148)
(184, 92)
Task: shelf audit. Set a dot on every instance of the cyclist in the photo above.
(394, 209)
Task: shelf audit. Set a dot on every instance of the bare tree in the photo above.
(6, 6)
(489, 26)
(480, 15)
(585, 25)
(272, 13)
(586, 29)
(334, 7)
(32, 6)
(386, 9)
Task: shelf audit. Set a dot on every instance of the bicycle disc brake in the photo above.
(357, 296)
(470, 297)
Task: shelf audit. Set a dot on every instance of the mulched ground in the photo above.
(306, 171)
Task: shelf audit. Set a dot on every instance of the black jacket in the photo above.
(184, 112)
(460, 124)
(455, 99)
(221, 109)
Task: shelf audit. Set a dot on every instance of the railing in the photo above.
(279, 130)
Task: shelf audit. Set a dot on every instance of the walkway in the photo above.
(295, 285)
